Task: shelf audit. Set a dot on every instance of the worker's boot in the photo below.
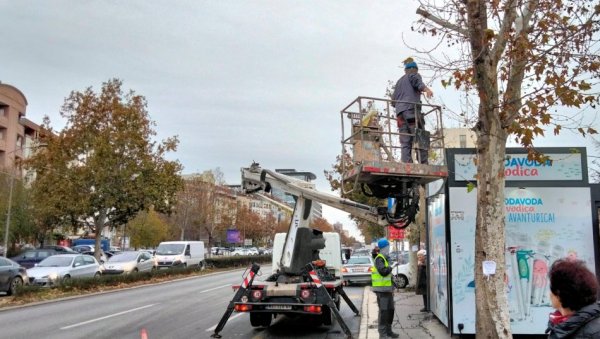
(390, 319)
(382, 326)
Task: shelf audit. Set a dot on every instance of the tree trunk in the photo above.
(492, 319)
(490, 293)
(99, 222)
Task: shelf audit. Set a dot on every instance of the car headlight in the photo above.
(51, 276)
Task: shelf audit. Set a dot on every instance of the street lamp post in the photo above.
(7, 226)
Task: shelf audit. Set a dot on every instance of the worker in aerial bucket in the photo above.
(407, 97)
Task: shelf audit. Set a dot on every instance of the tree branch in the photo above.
(509, 17)
(422, 12)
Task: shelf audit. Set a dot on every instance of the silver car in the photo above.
(128, 262)
(62, 267)
(357, 270)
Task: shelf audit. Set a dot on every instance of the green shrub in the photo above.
(85, 284)
(237, 261)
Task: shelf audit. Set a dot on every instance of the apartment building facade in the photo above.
(17, 134)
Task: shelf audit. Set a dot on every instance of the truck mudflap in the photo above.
(247, 282)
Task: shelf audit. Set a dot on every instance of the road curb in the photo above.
(362, 332)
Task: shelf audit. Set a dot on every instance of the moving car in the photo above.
(129, 262)
(401, 276)
(357, 270)
(12, 276)
(62, 267)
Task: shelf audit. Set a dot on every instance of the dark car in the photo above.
(12, 276)
(57, 248)
(29, 258)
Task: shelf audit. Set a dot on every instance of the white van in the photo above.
(179, 254)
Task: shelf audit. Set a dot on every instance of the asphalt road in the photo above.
(187, 308)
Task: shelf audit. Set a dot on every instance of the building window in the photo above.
(2, 134)
(3, 111)
(463, 140)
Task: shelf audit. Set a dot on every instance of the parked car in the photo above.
(29, 258)
(12, 276)
(62, 267)
(357, 270)
(129, 262)
(244, 251)
(84, 248)
(104, 256)
(58, 248)
(401, 275)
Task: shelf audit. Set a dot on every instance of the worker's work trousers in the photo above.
(412, 136)
(385, 301)
(420, 139)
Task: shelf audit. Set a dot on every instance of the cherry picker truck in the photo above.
(302, 283)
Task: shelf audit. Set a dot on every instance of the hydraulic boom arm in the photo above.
(301, 242)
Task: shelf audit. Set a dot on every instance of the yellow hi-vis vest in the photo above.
(377, 280)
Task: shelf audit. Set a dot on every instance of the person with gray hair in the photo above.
(407, 99)
(422, 278)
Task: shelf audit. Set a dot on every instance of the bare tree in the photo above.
(522, 59)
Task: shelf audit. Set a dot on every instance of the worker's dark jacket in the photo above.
(383, 271)
(408, 90)
(584, 323)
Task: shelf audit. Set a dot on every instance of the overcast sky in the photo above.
(237, 81)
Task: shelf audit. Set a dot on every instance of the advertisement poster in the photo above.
(436, 254)
(233, 236)
(542, 224)
(563, 166)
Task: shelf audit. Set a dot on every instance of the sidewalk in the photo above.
(409, 322)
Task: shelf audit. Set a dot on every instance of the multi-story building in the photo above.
(17, 134)
(317, 208)
(459, 138)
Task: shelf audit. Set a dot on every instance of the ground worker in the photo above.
(381, 281)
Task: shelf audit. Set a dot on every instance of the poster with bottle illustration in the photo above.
(436, 255)
(542, 225)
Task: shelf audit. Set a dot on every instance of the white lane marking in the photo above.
(235, 316)
(212, 289)
(106, 317)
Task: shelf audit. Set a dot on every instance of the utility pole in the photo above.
(7, 225)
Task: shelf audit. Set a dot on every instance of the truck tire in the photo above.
(260, 319)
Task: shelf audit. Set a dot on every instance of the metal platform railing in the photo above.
(370, 134)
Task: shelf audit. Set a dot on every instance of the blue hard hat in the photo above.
(383, 242)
